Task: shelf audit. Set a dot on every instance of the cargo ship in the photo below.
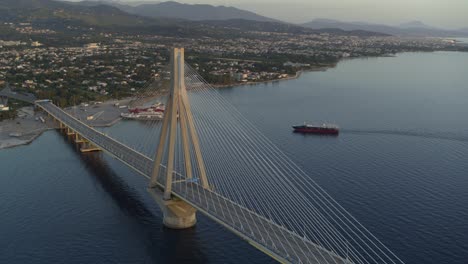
(324, 129)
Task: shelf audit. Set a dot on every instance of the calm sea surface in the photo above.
(399, 166)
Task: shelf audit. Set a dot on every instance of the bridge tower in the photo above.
(178, 119)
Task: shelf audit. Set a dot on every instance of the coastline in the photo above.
(24, 129)
(28, 126)
(113, 109)
(110, 118)
(290, 77)
(6, 144)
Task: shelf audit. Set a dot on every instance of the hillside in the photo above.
(44, 11)
(195, 12)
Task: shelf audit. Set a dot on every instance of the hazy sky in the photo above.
(442, 13)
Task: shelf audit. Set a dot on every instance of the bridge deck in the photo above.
(253, 227)
(261, 232)
(7, 92)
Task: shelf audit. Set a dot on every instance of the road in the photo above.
(7, 92)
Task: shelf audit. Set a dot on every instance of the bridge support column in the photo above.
(70, 132)
(177, 213)
(87, 146)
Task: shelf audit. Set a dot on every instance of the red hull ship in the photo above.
(325, 129)
(159, 107)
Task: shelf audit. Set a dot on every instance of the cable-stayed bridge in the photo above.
(209, 158)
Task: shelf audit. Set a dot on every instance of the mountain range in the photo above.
(202, 12)
(171, 9)
(195, 12)
(61, 15)
(413, 28)
(176, 18)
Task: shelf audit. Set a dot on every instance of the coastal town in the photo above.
(121, 66)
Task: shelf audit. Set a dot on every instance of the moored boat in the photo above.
(158, 107)
(143, 116)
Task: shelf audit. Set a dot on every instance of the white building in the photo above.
(92, 46)
(4, 108)
(36, 44)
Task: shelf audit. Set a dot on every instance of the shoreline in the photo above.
(24, 142)
(26, 127)
(290, 77)
(109, 106)
(252, 83)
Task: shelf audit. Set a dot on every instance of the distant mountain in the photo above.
(97, 16)
(196, 12)
(415, 24)
(70, 19)
(330, 23)
(248, 25)
(220, 17)
(415, 28)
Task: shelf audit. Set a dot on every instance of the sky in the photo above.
(440, 13)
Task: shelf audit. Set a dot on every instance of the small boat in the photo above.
(324, 129)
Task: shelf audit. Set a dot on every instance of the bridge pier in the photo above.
(88, 147)
(177, 214)
(61, 126)
(70, 132)
(84, 145)
(79, 140)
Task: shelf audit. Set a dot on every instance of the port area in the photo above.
(100, 114)
(22, 130)
(30, 124)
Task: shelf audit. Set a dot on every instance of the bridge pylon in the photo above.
(178, 120)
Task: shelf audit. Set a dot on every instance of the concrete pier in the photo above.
(177, 213)
(85, 145)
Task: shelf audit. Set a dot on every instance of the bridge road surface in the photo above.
(7, 92)
(269, 237)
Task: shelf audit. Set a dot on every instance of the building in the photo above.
(92, 46)
(4, 108)
(36, 44)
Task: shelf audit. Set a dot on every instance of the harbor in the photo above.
(29, 124)
(23, 129)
